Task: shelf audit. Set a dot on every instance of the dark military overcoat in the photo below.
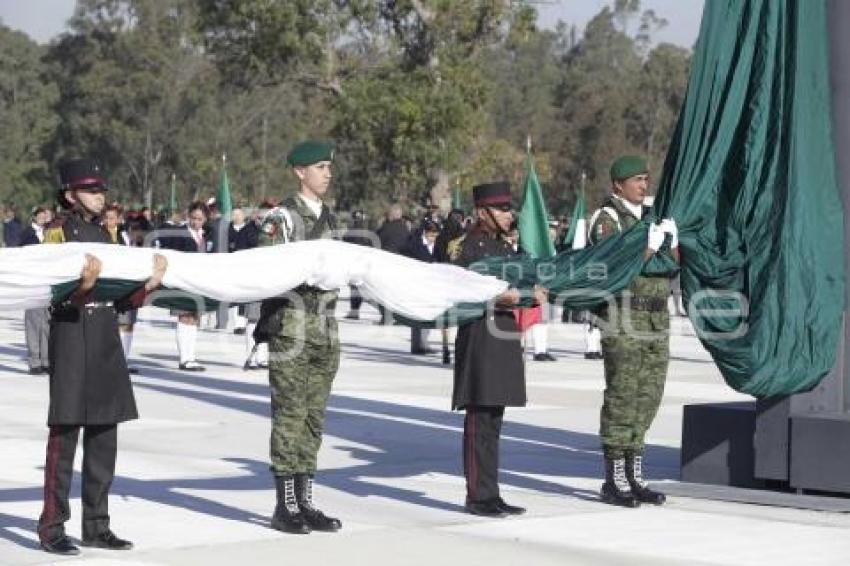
(489, 368)
(89, 380)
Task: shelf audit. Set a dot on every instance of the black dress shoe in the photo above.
(489, 508)
(239, 331)
(37, 371)
(133, 371)
(544, 357)
(192, 365)
(61, 545)
(593, 355)
(509, 509)
(108, 541)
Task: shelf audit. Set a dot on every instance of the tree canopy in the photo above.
(419, 95)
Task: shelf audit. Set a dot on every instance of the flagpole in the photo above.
(172, 201)
(583, 180)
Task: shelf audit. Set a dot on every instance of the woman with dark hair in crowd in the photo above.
(422, 246)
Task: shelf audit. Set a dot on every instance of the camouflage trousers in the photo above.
(636, 355)
(301, 372)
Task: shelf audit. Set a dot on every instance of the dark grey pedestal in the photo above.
(820, 452)
(753, 444)
(717, 444)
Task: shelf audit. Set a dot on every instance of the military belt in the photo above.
(646, 304)
(89, 305)
(99, 304)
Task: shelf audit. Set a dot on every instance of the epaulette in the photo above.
(54, 233)
(454, 247)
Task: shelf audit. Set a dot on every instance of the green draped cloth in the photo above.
(750, 180)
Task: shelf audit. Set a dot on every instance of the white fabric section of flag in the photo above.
(580, 237)
(414, 289)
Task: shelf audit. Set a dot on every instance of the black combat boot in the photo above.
(317, 520)
(287, 516)
(616, 489)
(640, 489)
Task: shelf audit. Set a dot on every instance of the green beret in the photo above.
(310, 152)
(628, 166)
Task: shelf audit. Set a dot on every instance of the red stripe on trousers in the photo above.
(53, 439)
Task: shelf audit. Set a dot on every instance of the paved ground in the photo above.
(192, 484)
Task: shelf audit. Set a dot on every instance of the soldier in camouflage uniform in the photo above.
(303, 347)
(635, 342)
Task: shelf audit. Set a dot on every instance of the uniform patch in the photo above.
(602, 229)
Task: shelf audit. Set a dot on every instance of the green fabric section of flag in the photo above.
(533, 219)
(457, 201)
(579, 212)
(172, 201)
(225, 204)
(750, 178)
(114, 289)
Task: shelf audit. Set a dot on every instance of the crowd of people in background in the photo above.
(200, 229)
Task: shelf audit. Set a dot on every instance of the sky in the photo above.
(44, 19)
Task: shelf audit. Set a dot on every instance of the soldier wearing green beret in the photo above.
(635, 341)
(303, 347)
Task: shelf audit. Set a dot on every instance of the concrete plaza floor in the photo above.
(193, 487)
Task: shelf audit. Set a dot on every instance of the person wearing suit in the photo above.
(422, 246)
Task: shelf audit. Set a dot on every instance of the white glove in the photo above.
(656, 237)
(668, 225)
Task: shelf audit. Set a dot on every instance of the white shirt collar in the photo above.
(428, 244)
(315, 206)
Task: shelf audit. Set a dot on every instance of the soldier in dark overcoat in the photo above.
(489, 369)
(89, 381)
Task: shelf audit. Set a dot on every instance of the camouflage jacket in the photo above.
(294, 221)
(607, 224)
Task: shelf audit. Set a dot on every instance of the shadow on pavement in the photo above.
(388, 440)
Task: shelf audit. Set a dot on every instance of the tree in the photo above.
(616, 97)
(131, 80)
(659, 97)
(26, 122)
(406, 93)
